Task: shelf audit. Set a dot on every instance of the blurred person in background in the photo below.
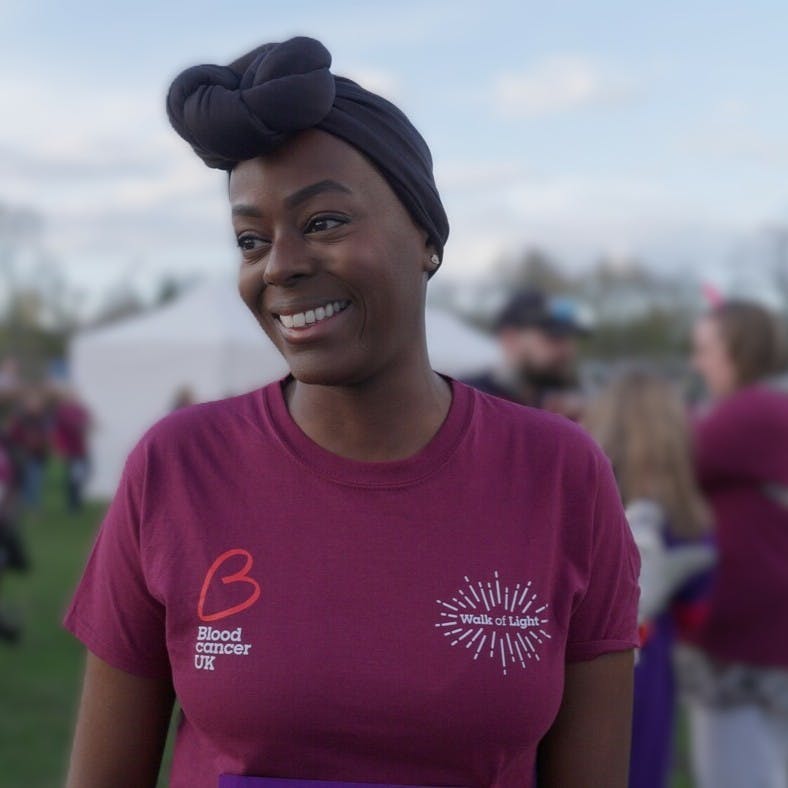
(285, 561)
(29, 434)
(13, 554)
(10, 387)
(641, 424)
(184, 396)
(736, 674)
(70, 436)
(538, 336)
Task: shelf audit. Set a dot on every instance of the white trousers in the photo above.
(739, 747)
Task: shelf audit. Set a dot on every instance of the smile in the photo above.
(312, 316)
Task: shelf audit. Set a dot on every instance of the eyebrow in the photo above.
(302, 195)
(296, 198)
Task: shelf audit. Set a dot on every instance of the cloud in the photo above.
(470, 176)
(738, 131)
(740, 143)
(579, 217)
(384, 83)
(85, 164)
(559, 84)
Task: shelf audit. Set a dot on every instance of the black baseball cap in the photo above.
(555, 315)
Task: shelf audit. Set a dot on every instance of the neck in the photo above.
(374, 421)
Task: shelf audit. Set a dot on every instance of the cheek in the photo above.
(391, 279)
(727, 372)
(250, 289)
(717, 360)
(246, 287)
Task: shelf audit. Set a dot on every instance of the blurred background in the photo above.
(629, 159)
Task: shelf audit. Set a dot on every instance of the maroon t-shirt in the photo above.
(71, 427)
(742, 462)
(399, 622)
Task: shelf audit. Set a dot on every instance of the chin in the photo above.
(324, 374)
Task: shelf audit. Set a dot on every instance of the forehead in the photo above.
(310, 157)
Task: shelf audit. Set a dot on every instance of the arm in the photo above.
(588, 743)
(121, 729)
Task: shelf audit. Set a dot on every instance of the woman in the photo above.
(738, 677)
(640, 422)
(366, 572)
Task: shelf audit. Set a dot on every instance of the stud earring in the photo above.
(435, 260)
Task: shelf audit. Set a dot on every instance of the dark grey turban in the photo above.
(254, 105)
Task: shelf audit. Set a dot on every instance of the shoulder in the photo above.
(541, 439)
(758, 405)
(496, 412)
(488, 383)
(199, 429)
(205, 417)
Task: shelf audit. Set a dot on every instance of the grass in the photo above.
(40, 676)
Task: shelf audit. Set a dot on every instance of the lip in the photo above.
(311, 331)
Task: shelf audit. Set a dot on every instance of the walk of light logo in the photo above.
(495, 620)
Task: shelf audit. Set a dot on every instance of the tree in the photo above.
(536, 269)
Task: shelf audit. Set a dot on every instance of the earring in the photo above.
(435, 260)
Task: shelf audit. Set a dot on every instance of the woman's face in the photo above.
(710, 358)
(332, 265)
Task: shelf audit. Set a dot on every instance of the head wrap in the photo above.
(254, 105)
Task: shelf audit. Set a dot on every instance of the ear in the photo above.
(432, 260)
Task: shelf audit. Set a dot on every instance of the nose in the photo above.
(287, 261)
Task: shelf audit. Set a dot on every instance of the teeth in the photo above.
(311, 316)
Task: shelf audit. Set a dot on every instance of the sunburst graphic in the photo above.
(497, 621)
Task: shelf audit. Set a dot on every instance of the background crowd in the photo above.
(703, 474)
(37, 421)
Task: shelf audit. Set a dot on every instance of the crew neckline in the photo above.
(390, 473)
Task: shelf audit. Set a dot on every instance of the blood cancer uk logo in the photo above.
(495, 620)
(228, 581)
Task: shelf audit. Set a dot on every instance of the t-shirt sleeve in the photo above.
(605, 619)
(113, 611)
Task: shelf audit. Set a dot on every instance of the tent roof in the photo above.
(211, 312)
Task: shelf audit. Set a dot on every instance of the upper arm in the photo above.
(588, 743)
(121, 728)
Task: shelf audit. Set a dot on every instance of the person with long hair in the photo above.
(366, 572)
(737, 672)
(641, 423)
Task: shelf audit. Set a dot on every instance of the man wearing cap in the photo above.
(538, 337)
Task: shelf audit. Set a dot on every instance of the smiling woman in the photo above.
(326, 235)
(366, 572)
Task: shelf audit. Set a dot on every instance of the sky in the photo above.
(619, 129)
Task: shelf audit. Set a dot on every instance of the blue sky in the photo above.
(656, 130)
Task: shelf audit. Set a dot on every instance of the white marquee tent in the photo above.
(128, 373)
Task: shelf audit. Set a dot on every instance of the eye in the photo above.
(321, 224)
(249, 243)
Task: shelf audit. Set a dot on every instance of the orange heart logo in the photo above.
(241, 576)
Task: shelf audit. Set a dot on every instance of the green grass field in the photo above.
(40, 676)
